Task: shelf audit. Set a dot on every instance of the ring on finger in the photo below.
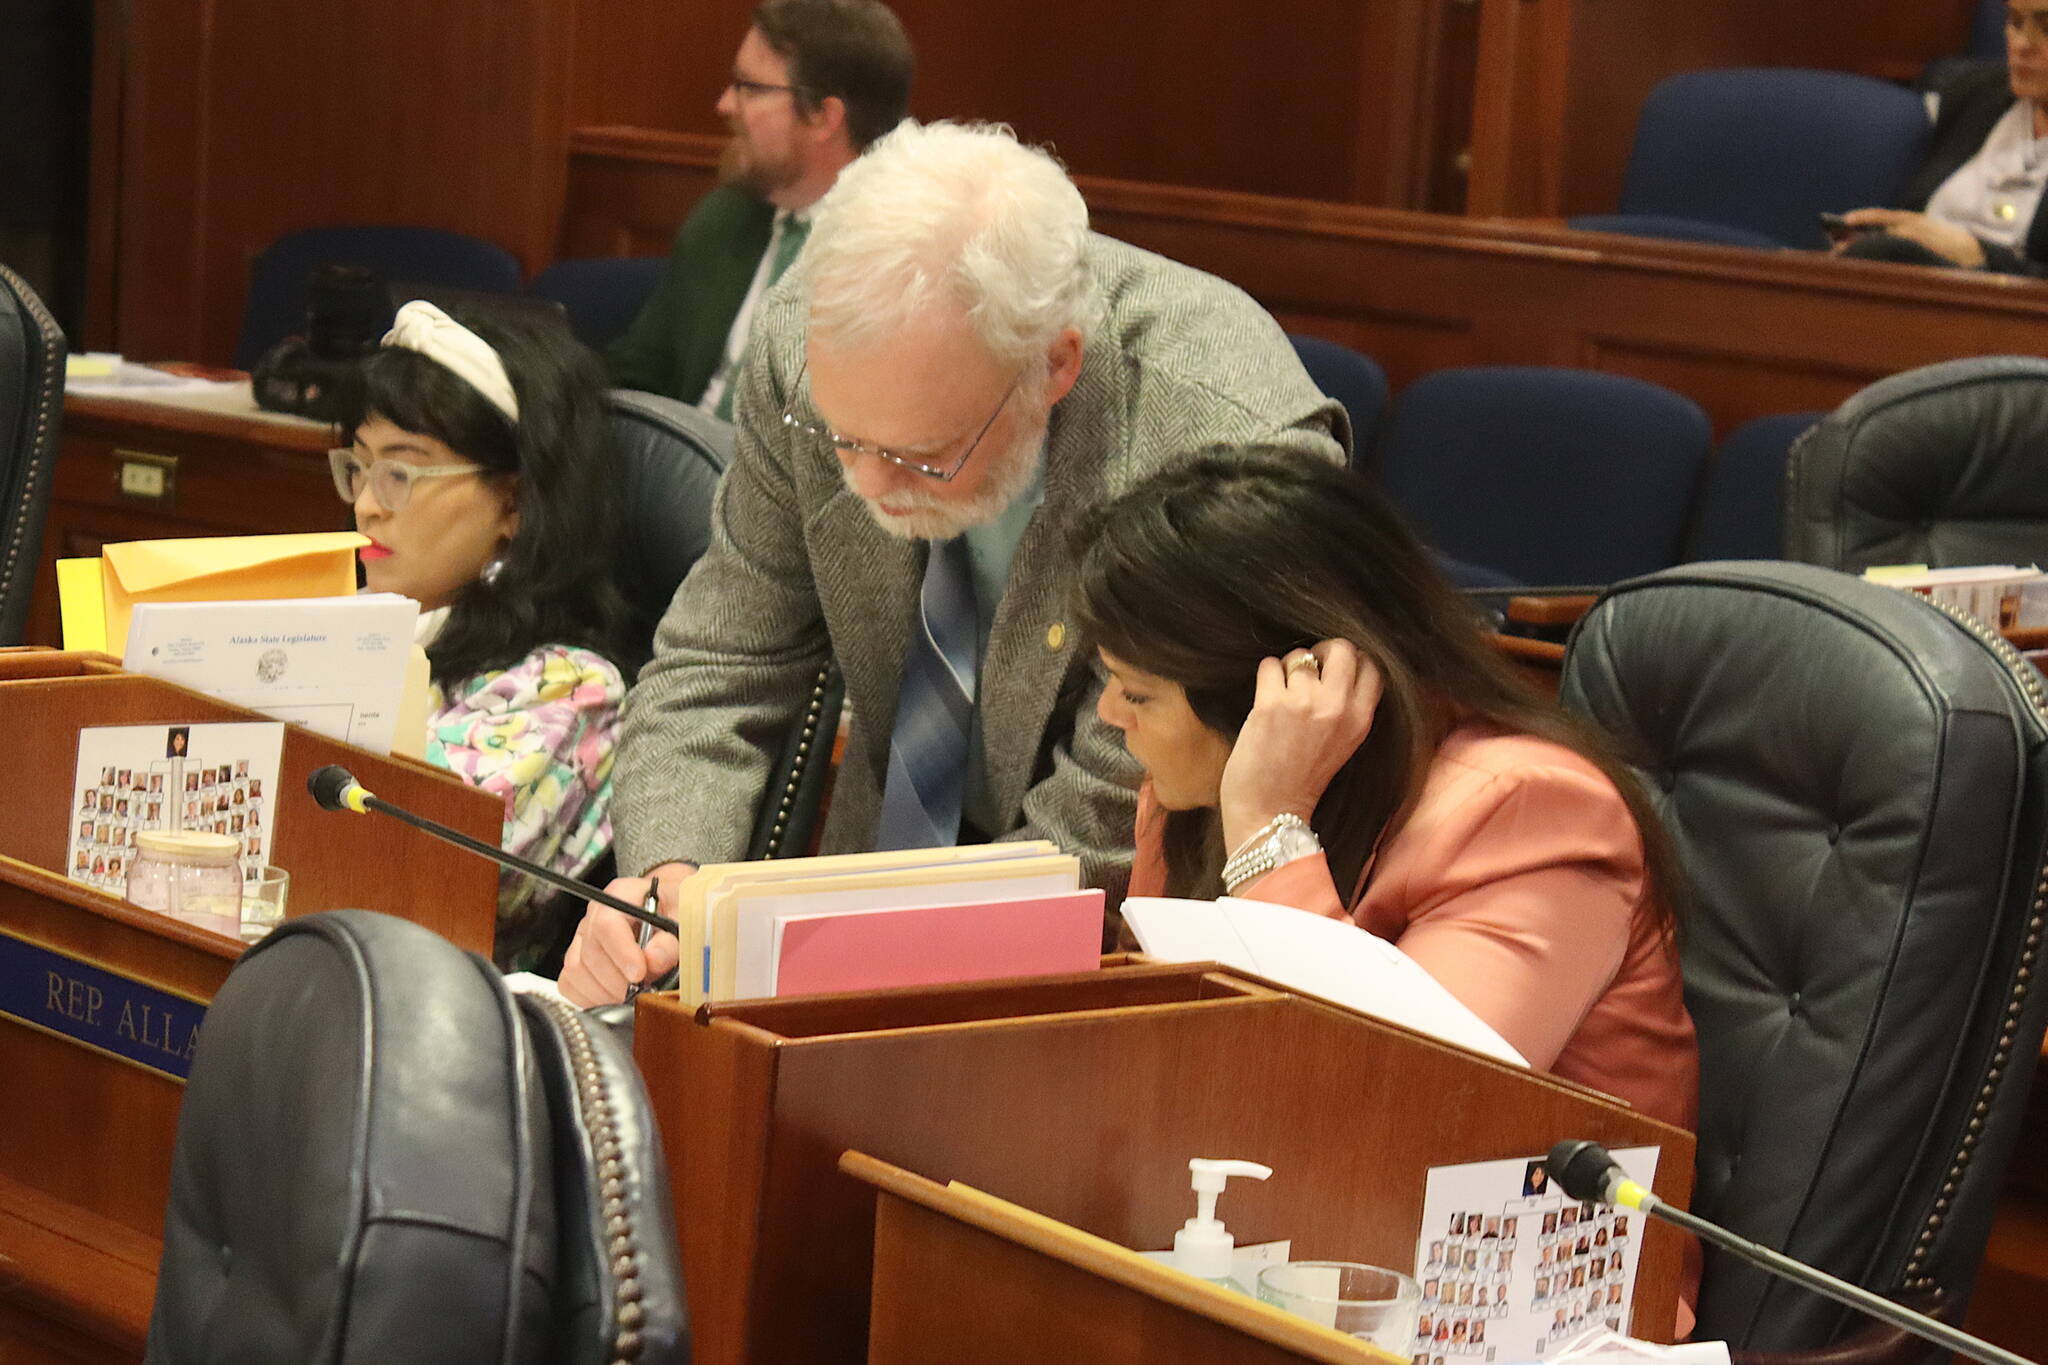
(1305, 661)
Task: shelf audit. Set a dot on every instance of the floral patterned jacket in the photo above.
(541, 735)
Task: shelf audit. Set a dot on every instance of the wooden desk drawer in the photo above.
(206, 488)
(200, 475)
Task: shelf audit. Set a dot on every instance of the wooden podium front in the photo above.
(92, 1048)
(1081, 1098)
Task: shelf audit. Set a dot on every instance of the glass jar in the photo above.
(188, 875)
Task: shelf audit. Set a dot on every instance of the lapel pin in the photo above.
(1055, 635)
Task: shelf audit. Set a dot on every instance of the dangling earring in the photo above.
(493, 571)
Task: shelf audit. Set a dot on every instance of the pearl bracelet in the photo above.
(1283, 839)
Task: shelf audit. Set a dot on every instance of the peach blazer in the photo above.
(1518, 883)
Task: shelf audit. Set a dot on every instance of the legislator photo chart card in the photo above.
(1511, 1270)
(220, 778)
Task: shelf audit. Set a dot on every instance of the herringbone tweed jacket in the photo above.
(1178, 361)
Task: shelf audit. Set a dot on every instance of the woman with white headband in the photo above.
(478, 466)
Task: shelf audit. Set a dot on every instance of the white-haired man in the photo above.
(956, 370)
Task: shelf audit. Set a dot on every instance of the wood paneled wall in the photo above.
(219, 125)
(223, 124)
(241, 120)
(1327, 99)
(1560, 81)
(1744, 333)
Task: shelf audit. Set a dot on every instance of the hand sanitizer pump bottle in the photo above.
(1203, 1245)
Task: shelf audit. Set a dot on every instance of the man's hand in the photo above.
(1945, 240)
(605, 956)
(1311, 712)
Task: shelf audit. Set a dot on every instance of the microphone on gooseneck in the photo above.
(335, 788)
(1587, 1171)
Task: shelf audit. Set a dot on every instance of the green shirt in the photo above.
(676, 342)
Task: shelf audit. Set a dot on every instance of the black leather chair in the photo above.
(1857, 786)
(672, 456)
(385, 1155)
(31, 405)
(1938, 466)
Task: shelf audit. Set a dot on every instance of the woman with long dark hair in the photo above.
(1323, 724)
(479, 468)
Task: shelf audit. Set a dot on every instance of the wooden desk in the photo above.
(223, 474)
(1079, 1097)
(1743, 333)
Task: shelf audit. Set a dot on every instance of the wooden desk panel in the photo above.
(85, 1151)
(229, 475)
(1744, 333)
(1080, 1099)
(337, 860)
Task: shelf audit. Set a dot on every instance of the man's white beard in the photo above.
(930, 518)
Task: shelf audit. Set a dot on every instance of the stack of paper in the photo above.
(2002, 596)
(1330, 958)
(333, 664)
(871, 921)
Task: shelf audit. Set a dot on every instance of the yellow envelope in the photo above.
(215, 569)
(81, 604)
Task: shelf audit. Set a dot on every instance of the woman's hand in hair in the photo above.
(1305, 723)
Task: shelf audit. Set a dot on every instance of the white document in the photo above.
(336, 665)
(1603, 1347)
(1315, 955)
(106, 373)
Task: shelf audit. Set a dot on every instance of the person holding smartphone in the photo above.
(1974, 201)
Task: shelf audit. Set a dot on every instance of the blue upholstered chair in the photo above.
(401, 255)
(1740, 510)
(1987, 31)
(1767, 150)
(1546, 475)
(601, 294)
(1352, 379)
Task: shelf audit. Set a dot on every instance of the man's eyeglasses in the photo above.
(390, 481)
(811, 427)
(743, 87)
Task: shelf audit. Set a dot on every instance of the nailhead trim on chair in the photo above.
(2023, 673)
(623, 1246)
(805, 737)
(46, 408)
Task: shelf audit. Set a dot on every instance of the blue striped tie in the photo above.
(934, 709)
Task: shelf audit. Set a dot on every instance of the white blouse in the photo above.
(1994, 194)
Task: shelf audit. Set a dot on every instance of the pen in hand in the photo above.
(652, 904)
